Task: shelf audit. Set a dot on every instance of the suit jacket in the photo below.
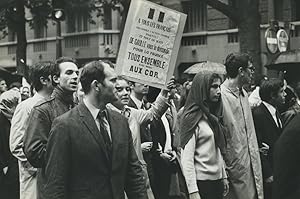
(287, 162)
(78, 166)
(267, 132)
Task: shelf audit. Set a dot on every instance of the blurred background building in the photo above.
(209, 35)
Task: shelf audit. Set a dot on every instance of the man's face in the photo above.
(3, 86)
(279, 97)
(122, 91)
(141, 89)
(108, 87)
(25, 93)
(248, 73)
(68, 76)
(215, 91)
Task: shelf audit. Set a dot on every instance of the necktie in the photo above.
(104, 132)
(278, 119)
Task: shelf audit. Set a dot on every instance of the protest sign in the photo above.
(150, 43)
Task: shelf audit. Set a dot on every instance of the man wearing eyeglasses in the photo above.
(242, 154)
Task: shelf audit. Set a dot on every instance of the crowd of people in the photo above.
(88, 133)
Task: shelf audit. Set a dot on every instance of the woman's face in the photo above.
(215, 92)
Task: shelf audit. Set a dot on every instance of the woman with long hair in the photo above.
(203, 140)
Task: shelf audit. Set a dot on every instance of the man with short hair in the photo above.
(138, 117)
(90, 153)
(43, 114)
(268, 127)
(3, 86)
(242, 152)
(41, 80)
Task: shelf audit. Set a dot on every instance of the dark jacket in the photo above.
(287, 162)
(40, 120)
(78, 165)
(267, 132)
(37, 133)
(9, 182)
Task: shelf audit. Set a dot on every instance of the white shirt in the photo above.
(94, 111)
(272, 111)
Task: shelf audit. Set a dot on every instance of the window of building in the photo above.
(233, 37)
(196, 16)
(107, 18)
(11, 35)
(232, 24)
(77, 23)
(40, 31)
(295, 6)
(278, 5)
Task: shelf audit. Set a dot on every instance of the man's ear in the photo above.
(96, 85)
(55, 79)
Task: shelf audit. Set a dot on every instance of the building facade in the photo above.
(208, 35)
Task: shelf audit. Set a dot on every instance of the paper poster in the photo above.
(150, 43)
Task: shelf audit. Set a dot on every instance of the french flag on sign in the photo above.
(161, 15)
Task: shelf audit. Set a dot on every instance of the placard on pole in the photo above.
(150, 43)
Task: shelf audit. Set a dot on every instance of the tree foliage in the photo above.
(14, 14)
(245, 14)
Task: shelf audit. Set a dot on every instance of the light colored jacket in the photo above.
(19, 123)
(242, 154)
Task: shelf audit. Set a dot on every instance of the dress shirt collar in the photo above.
(94, 111)
(137, 102)
(270, 108)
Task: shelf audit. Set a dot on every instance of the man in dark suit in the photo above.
(287, 162)
(268, 126)
(90, 153)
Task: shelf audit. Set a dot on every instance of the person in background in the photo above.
(137, 100)
(268, 127)
(202, 139)
(16, 85)
(42, 115)
(169, 181)
(242, 156)
(40, 76)
(9, 177)
(25, 92)
(3, 86)
(90, 153)
(292, 106)
(138, 117)
(254, 98)
(287, 162)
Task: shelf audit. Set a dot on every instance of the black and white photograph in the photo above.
(149, 99)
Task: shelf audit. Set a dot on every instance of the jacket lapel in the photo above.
(90, 124)
(268, 114)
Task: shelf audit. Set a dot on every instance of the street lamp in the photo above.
(58, 15)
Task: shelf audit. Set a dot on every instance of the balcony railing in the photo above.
(194, 40)
(77, 41)
(40, 46)
(12, 49)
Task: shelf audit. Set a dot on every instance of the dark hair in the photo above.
(213, 77)
(93, 70)
(234, 61)
(38, 70)
(62, 60)
(270, 87)
(15, 85)
(259, 79)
